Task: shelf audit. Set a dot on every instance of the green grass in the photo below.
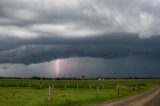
(71, 96)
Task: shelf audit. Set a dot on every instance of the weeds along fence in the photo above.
(64, 84)
(98, 87)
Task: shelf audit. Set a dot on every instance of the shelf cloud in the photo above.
(106, 47)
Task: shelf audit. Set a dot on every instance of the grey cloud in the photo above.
(106, 47)
(131, 66)
(33, 31)
(76, 16)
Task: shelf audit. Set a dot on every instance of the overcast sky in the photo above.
(35, 31)
(78, 18)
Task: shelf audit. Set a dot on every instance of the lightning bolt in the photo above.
(57, 68)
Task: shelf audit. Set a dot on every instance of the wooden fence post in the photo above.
(53, 86)
(17, 85)
(5, 84)
(90, 86)
(132, 87)
(77, 86)
(40, 85)
(49, 93)
(97, 93)
(117, 89)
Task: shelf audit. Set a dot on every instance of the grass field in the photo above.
(67, 92)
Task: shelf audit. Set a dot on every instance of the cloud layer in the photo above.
(110, 47)
(78, 18)
(42, 30)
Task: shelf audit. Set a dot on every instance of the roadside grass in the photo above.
(59, 97)
(71, 96)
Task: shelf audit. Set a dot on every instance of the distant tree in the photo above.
(35, 77)
(83, 77)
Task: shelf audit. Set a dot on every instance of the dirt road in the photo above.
(148, 98)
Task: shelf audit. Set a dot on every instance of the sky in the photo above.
(109, 31)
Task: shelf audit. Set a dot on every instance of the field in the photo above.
(25, 92)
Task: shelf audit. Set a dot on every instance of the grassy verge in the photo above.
(72, 96)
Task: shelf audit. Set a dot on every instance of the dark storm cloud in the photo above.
(106, 47)
(34, 31)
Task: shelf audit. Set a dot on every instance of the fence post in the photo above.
(53, 86)
(17, 85)
(5, 84)
(97, 93)
(77, 86)
(132, 87)
(117, 89)
(139, 86)
(40, 85)
(90, 86)
(49, 93)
